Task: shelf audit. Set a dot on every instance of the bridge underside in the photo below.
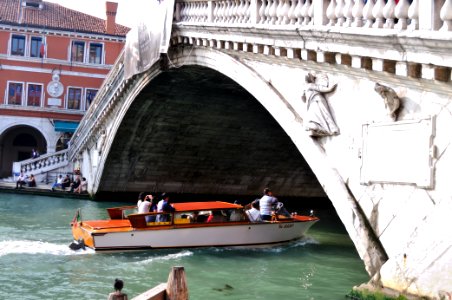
(193, 130)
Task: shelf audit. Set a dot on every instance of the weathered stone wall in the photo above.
(193, 130)
(397, 175)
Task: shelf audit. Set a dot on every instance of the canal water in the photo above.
(36, 262)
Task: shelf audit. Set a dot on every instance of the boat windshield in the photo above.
(281, 210)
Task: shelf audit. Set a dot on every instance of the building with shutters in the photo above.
(53, 60)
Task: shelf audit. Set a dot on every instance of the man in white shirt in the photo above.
(254, 215)
(21, 181)
(266, 203)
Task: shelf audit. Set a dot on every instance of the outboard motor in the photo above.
(76, 245)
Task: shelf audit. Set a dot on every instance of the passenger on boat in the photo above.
(141, 197)
(148, 205)
(165, 207)
(117, 294)
(216, 216)
(235, 215)
(31, 181)
(266, 204)
(254, 214)
(193, 217)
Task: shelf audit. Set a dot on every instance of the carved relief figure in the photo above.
(318, 121)
(390, 98)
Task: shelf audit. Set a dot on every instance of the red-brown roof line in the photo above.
(54, 16)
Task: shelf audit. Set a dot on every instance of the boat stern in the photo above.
(79, 233)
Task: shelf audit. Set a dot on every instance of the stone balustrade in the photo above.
(378, 14)
(42, 164)
(408, 38)
(94, 118)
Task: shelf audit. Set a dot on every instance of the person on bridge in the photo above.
(266, 204)
(31, 181)
(83, 187)
(74, 185)
(58, 183)
(34, 153)
(66, 182)
(21, 181)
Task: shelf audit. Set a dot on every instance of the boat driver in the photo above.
(266, 203)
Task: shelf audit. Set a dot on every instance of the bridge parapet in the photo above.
(42, 165)
(90, 129)
(409, 40)
(404, 15)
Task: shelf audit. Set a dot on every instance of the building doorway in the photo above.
(17, 144)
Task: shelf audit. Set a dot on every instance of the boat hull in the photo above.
(200, 236)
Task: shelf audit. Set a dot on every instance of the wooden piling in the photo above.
(176, 288)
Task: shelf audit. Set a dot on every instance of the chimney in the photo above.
(111, 8)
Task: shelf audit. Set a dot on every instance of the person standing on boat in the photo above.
(165, 207)
(117, 294)
(254, 214)
(266, 204)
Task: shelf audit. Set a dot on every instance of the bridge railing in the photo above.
(379, 14)
(94, 117)
(42, 164)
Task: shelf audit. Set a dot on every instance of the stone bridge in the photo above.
(345, 99)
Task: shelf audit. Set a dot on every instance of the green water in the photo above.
(36, 263)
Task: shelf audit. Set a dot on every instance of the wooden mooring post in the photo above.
(174, 289)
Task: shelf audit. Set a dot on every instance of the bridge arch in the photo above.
(278, 107)
(348, 209)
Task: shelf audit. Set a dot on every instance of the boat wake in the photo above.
(275, 248)
(172, 256)
(37, 247)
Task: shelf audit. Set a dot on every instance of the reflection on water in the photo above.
(36, 262)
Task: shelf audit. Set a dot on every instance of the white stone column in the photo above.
(429, 15)
(254, 12)
(320, 8)
(413, 14)
(210, 8)
(446, 16)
